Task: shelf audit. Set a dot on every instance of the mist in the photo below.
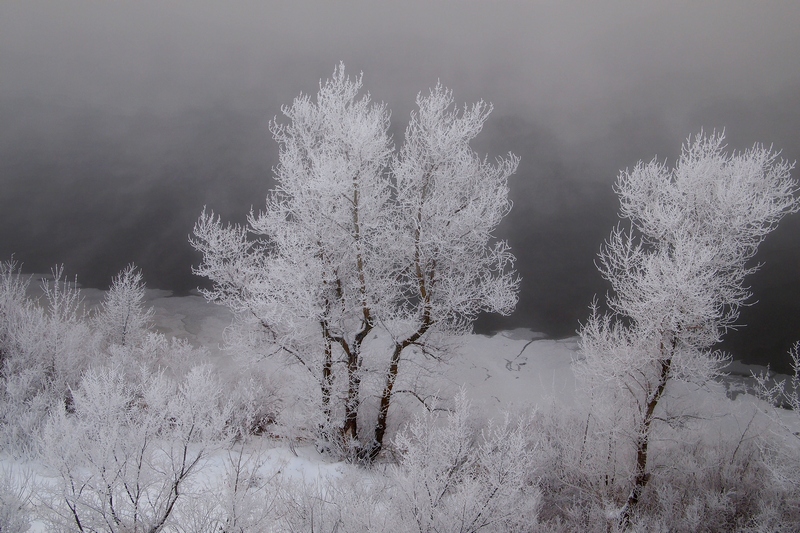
(120, 121)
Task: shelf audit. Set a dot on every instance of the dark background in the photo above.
(120, 121)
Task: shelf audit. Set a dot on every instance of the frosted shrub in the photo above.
(152, 355)
(708, 473)
(22, 325)
(255, 401)
(710, 486)
(581, 468)
(44, 350)
(346, 503)
(13, 305)
(451, 477)
(247, 500)
(131, 347)
(128, 456)
(262, 390)
(15, 494)
(781, 447)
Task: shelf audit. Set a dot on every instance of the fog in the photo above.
(120, 121)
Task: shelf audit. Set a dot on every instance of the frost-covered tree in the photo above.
(122, 317)
(677, 276)
(354, 241)
(449, 202)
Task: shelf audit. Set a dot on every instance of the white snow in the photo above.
(509, 369)
(518, 367)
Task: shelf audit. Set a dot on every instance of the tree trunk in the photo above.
(353, 352)
(327, 376)
(641, 476)
(391, 376)
(350, 428)
(386, 399)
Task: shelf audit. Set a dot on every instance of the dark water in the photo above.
(96, 191)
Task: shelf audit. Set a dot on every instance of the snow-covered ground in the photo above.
(509, 369)
(518, 368)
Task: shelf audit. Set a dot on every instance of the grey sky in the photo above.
(120, 120)
(557, 60)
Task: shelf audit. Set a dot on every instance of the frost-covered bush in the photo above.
(153, 354)
(261, 389)
(128, 455)
(45, 348)
(349, 502)
(580, 468)
(452, 477)
(21, 323)
(709, 472)
(13, 304)
(46, 345)
(247, 501)
(256, 403)
(15, 495)
(781, 448)
(719, 485)
(449, 476)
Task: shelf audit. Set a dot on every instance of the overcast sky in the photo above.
(120, 120)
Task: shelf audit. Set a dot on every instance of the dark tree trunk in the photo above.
(386, 400)
(353, 352)
(391, 377)
(327, 375)
(350, 428)
(641, 476)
